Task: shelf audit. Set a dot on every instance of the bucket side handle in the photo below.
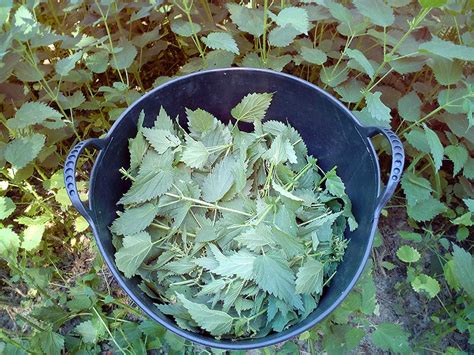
(70, 174)
(398, 161)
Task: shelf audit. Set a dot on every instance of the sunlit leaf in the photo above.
(377, 11)
(221, 40)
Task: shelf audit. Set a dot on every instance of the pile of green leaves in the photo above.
(234, 233)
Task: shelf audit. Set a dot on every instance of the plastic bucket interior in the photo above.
(333, 135)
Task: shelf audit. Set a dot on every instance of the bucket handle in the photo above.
(398, 161)
(70, 174)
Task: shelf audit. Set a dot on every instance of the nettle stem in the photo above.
(187, 10)
(268, 180)
(389, 57)
(256, 315)
(264, 39)
(435, 111)
(315, 219)
(109, 36)
(207, 204)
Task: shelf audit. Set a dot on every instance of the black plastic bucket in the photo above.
(331, 132)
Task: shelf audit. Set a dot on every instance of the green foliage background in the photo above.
(69, 68)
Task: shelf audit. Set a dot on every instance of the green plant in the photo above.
(67, 70)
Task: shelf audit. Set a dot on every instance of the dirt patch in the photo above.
(398, 303)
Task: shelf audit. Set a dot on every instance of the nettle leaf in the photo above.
(360, 58)
(253, 107)
(185, 28)
(21, 151)
(65, 65)
(449, 275)
(334, 184)
(426, 210)
(446, 71)
(458, 154)
(468, 170)
(309, 278)
(163, 121)
(437, 150)
(468, 201)
(446, 96)
(414, 237)
(240, 264)
(417, 138)
(31, 113)
(215, 322)
(219, 59)
(447, 49)
(281, 151)
(195, 153)
(219, 136)
(98, 62)
(463, 266)
(281, 190)
(51, 342)
(409, 107)
(282, 36)
(5, 8)
(257, 238)
(376, 107)
(408, 254)
(71, 101)
(219, 181)
(89, 331)
(350, 91)
(339, 12)
(416, 188)
(221, 40)
(148, 186)
(277, 63)
(274, 127)
(161, 139)
(272, 274)
(9, 242)
(252, 60)
(463, 220)
(124, 55)
(32, 236)
(200, 121)
(333, 77)
(407, 65)
(137, 146)
(426, 284)
(295, 17)
(134, 220)
(377, 11)
(206, 234)
(7, 207)
(468, 107)
(313, 55)
(25, 24)
(25, 72)
(133, 252)
(247, 20)
(389, 336)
